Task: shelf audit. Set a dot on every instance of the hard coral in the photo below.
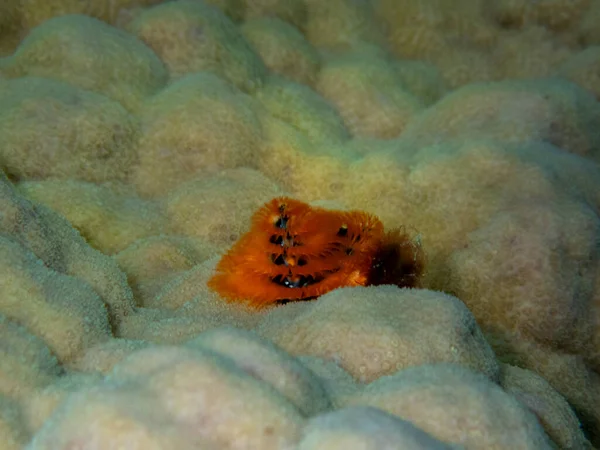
(89, 54)
(297, 252)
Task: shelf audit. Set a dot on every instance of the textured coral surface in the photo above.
(138, 138)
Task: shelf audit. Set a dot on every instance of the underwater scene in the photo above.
(299, 224)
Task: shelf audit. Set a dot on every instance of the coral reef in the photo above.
(138, 140)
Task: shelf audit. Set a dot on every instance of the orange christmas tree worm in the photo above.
(294, 251)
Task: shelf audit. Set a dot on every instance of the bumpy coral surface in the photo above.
(139, 137)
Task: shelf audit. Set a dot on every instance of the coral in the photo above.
(102, 358)
(530, 53)
(422, 79)
(89, 54)
(554, 111)
(216, 208)
(10, 22)
(65, 312)
(588, 32)
(110, 218)
(455, 404)
(336, 381)
(368, 94)
(26, 363)
(305, 110)
(365, 428)
(52, 254)
(522, 195)
(35, 12)
(544, 197)
(175, 397)
(184, 307)
(583, 68)
(376, 331)
(463, 66)
(162, 326)
(283, 49)
(9, 10)
(554, 14)
(296, 252)
(234, 9)
(13, 434)
(197, 124)
(142, 135)
(543, 292)
(222, 378)
(342, 24)
(551, 409)
(36, 409)
(572, 375)
(50, 129)
(267, 362)
(188, 292)
(191, 36)
(153, 262)
(469, 41)
(553, 312)
(427, 30)
(308, 170)
(292, 11)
